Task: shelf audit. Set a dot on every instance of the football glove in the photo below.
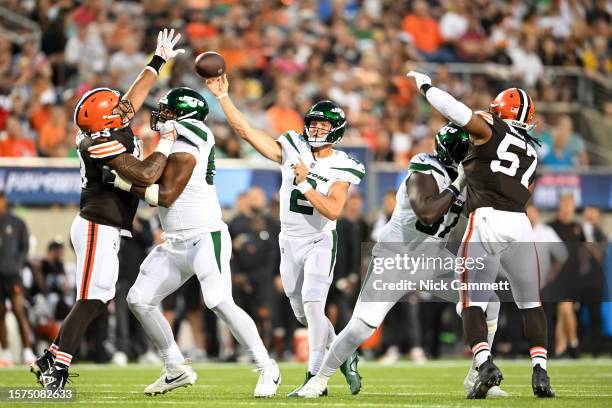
(165, 45)
(420, 79)
(168, 131)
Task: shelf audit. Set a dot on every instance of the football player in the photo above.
(315, 184)
(106, 214)
(500, 170)
(429, 203)
(197, 242)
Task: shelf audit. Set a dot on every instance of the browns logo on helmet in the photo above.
(515, 107)
(102, 108)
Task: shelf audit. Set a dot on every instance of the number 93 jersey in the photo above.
(500, 171)
(298, 217)
(404, 226)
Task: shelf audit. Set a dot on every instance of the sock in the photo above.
(158, 330)
(481, 353)
(538, 356)
(63, 359)
(244, 330)
(318, 332)
(347, 341)
(53, 349)
(331, 334)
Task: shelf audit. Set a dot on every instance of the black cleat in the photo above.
(541, 383)
(41, 365)
(488, 376)
(55, 377)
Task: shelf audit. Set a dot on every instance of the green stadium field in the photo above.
(582, 383)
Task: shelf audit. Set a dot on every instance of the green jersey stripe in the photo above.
(198, 132)
(424, 167)
(291, 141)
(334, 248)
(216, 239)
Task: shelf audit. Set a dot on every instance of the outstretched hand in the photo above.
(166, 41)
(218, 85)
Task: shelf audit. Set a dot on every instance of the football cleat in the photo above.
(470, 379)
(488, 377)
(349, 369)
(269, 380)
(295, 392)
(541, 383)
(55, 377)
(179, 375)
(315, 387)
(42, 364)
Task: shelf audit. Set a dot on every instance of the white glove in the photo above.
(121, 183)
(168, 131)
(165, 45)
(461, 181)
(420, 79)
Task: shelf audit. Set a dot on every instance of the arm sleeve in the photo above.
(448, 106)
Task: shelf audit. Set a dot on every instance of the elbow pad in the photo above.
(448, 106)
(152, 195)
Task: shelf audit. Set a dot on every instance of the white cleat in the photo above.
(269, 380)
(315, 387)
(180, 375)
(470, 379)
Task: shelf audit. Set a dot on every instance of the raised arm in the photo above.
(175, 177)
(260, 140)
(138, 92)
(452, 109)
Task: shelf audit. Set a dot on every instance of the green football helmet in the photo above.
(452, 144)
(178, 104)
(330, 112)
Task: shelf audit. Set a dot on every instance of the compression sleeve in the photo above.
(448, 106)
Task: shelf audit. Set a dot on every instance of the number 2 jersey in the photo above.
(101, 203)
(404, 226)
(298, 217)
(500, 171)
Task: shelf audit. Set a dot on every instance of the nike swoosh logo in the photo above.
(277, 380)
(171, 380)
(318, 240)
(197, 242)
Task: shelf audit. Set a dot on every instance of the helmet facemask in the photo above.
(330, 117)
(322, 130)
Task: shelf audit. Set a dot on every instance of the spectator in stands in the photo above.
(282, 115)
(565, 286)
(126, 64)
(12, 140)
(14, 246)
(425, 32)
(562, 147)
(52, 138)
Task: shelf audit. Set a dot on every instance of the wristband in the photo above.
(304, 186)
(164, 146)
(152, 194)
(424, 88)
(121, 183)
(453, 190)
(221, 96)
(156, 64)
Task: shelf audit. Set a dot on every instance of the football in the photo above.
(210, 64)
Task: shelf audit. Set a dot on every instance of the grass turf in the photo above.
(582, 383)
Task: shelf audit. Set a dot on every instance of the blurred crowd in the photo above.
(39, 292)
(283, 55)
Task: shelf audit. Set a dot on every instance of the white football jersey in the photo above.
(298, 217)
(197, 209)
(404, 224)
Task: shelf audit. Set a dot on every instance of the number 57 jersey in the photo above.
(298, 217)
(500, 171)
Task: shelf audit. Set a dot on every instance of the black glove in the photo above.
(108, 177)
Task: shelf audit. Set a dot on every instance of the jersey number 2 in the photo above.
(505, 155)
(296, 195)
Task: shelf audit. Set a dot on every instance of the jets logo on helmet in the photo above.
(178, 104)
(328, 111)
(452, 144)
